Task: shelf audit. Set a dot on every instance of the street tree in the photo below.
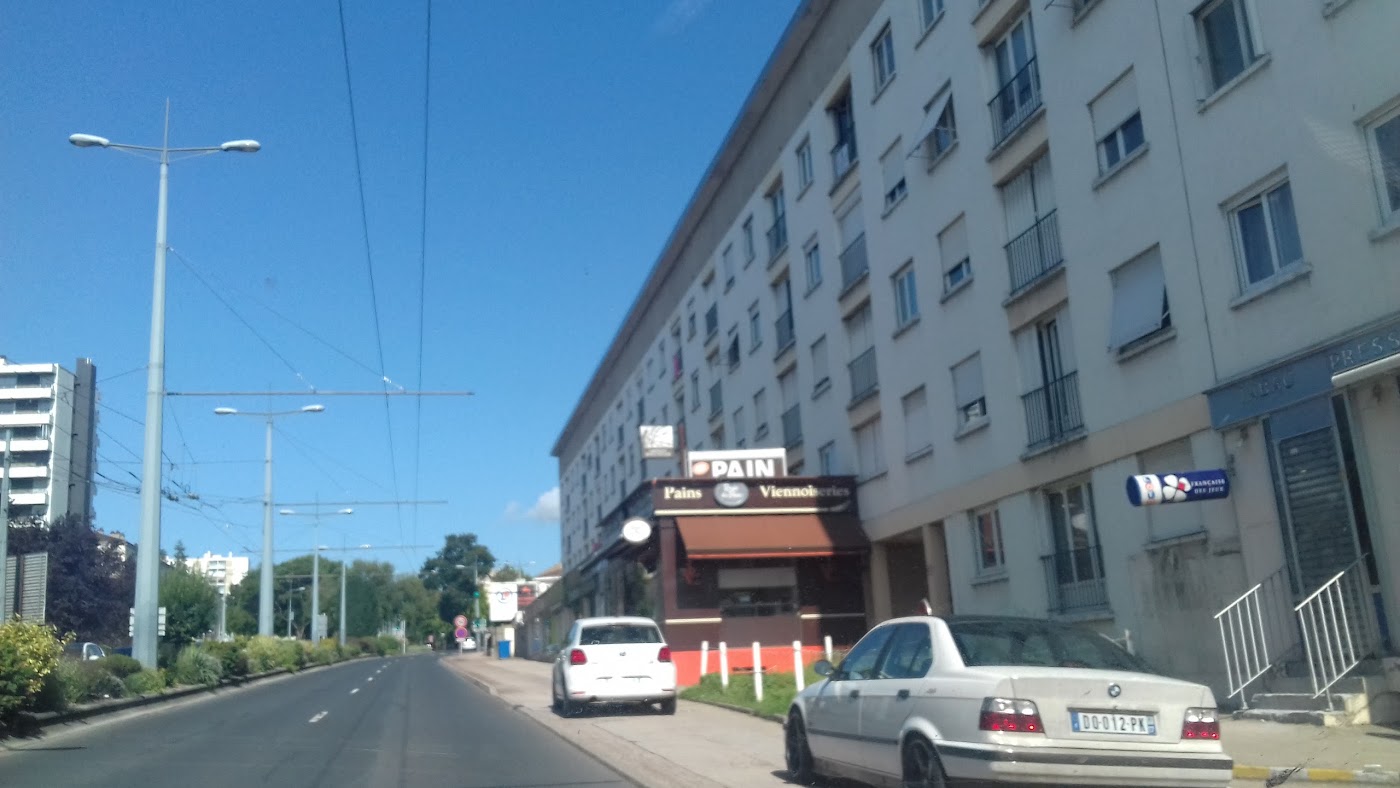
(89, 588)
(441, 572)
(191, 605)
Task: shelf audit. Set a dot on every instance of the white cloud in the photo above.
(545, 510)
(679, 14)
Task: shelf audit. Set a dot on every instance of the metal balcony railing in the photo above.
(716, 400)
(1034, 253)
(792, 427)
(785, 331)
(777, 240)
(712, 321)
(1017, 100)
(1074, 580)
(843, 158)
(854, 262)
(1052, 412)
(864, 376)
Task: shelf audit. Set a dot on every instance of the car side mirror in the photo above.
(823, 668)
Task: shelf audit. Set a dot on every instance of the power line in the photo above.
(422, 255)
(122, 374)
(308, 447)
(369, 252)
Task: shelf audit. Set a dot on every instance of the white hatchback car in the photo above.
(928, 701)
(622, 659)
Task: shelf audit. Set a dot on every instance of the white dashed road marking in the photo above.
(355, 690)
(318, 717)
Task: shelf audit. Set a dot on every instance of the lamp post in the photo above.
(144, 623)
(265, 578)
(315, 562)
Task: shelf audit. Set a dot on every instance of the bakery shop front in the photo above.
(767, 560)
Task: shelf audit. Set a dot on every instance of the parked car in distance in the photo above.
(618, 659)
(84, 651)
(1006, 701)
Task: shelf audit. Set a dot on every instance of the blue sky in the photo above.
(565, 138)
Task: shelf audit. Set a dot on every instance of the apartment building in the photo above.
(994, 258)
(222, 571)
(50, 414)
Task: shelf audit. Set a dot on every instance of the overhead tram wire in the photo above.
(369, 253)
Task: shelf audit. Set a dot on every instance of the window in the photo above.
(733, 354)
(952, 251)
(1384, 136)
(860, 661)
(861, 337)
(906, 300)
(1029, 204)
(690, 325)
(843, 120)
(755, 327)
(1227, 36)
(968, 392)
(870, 449)
(892, 164)
(1166, 522)
(1019, 78)
(792, 415)
(748, 241)
(940, 128)
(821, 372)
(918, 430)
(812, 257)
(804, 165)
(826, 459)
(1140, 307)
(727, 261)
(717, 437)
(1117, 122)
(929, 11)
(1075, 536)
(1266, 235)
(1051, 398)
(760, 414)
(991, 553)
(1038, 644)
(739, 429)
(882, 52)
(910, 654)
(695, 390)
(777, 233)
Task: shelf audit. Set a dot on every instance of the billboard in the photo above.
(502, 602)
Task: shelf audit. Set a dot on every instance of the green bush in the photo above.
(145, 682)
(51, 696)
(232, 656)
(87, 681)
(291, 655)
(387, 644)
(197, 667)
(263, 653)
(29, 652)
(120, 665)
(325, 653)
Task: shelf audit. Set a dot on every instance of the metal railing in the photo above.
(777, 239)
(843, 158)
(1335, 627)
(716, 400)
(712, 321)
(854, 262)
(1074, 579)
(1015, 102)
(1053, 412)
(865, 378)
(1255, 631)
(1034, 253)
(677, 367)
(792, 427)
(784, 328)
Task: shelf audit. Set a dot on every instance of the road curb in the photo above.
(1275, 775)
(740, 709)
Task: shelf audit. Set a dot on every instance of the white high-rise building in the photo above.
(994, 258)
(51, 415)
(223, 571)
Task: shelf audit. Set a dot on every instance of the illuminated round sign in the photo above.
(636, 530)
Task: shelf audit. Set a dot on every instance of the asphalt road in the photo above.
(397, 722)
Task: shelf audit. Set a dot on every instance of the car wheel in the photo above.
(668, 706)
(922, 769)
(554, 695)
(798, 753)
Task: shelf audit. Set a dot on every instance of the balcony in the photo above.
(783, 327)
(777, 240)
(843, 158)
(20, 419)
(1074, 580)
(1053, 413)
(1014, 104)
(792, 427)
(677, 367)
(1034, 253)
(711, 321)
(854, 262)
(716, 400)
(864, 377)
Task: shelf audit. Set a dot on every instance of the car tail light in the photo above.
(577, 657)
(665, 655)
(1201, 724)
(1010, 715)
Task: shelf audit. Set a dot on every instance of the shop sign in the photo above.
(785, 495)
(1151, 489)
(737, 464)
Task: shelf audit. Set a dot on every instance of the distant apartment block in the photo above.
(223, 571)
(50, 415)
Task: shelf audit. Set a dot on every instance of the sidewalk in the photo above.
(682, 750)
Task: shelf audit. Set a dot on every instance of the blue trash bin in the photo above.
(503, 649)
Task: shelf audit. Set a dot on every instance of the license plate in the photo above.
(1101, 722)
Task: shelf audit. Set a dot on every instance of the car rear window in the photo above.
(618, 634)
(1030, 644)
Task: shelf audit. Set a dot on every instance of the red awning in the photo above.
(771, 536)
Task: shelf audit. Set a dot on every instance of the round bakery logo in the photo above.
(731, 494)
(700, 468)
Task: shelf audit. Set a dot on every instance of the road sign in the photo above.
(461, 633)
(460, 621)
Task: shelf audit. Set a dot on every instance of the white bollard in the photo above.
(828, 648)
(757, 673)
(704, 658)
(799, 671)
(723, 665)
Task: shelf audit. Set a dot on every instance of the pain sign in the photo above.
(1150, 489)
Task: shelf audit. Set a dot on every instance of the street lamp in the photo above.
(316, 561)
(265, 579)
(144, 623)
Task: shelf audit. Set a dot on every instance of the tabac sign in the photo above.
(737, 464)
(785, 495)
